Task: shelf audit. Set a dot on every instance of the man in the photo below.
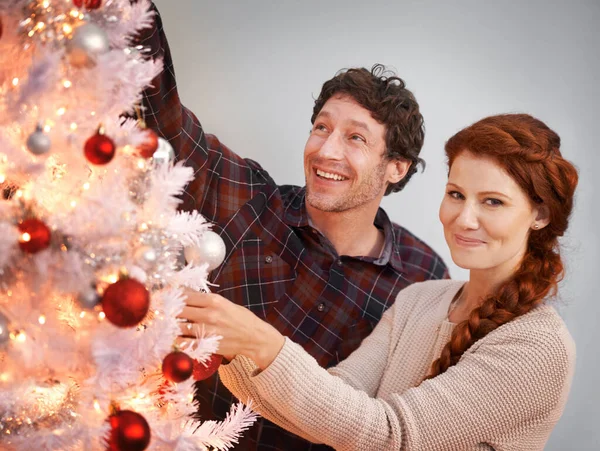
(321, 263)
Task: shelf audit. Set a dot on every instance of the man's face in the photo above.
(344, 162)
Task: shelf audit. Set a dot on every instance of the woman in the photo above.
(485, 364)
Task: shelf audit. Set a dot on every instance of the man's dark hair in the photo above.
(384, 94)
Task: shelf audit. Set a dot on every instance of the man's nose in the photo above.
(332, 148)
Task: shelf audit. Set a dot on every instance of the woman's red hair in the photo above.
(530, 153)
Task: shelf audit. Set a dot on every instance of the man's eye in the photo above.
(358, 138)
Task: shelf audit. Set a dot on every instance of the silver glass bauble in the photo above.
(164, 153)
(38, 142)
(88, 41)
(4, 328)
(89, 298)
(210, 249)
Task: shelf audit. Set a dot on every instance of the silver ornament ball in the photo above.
(4, 328)
(146, 255)
(88, 41)
(164, 153)
(88, 299)
(210, 249)
(38, 142)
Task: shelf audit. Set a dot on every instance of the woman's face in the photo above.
(486, 216)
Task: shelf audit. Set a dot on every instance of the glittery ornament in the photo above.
(149, 146)
(39, 142)
(209, 249)
(177, 366)
(88, 41)
(56, 19)
(164, 153)
(205, 370)
(99, 149)
(129, 431)
(35, 236)
(125, 302)
(88, 299)
(146, 256)
(4, 328)
(89, 4)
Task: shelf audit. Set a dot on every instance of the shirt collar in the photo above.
(295, 215)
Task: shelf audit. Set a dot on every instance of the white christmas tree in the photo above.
(90, 242)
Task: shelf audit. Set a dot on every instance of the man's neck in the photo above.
(351, 232)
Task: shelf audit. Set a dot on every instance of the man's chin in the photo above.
(324, 203)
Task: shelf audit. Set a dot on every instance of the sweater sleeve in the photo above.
(515, 377)
(236, 376)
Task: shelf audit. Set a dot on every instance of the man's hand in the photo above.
(242, 331)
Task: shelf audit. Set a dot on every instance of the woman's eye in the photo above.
(357, 138)
(494, 202)
(455, 195)
(320, 127)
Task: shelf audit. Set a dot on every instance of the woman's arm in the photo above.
(512, 382)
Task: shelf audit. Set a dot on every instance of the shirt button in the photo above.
(321, 307)
(268, 259)
(339, 262)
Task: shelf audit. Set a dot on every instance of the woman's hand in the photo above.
(242, 331)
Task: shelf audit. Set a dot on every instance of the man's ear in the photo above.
(397, 170)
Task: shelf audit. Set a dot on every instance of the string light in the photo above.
(15, 81)
(42, 320)
(67, 83)
(86, 186)
(25, 237)
(61, 111)
(101, 316)
(2, 178)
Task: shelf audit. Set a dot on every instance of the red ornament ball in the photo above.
(89, 4)
(35, 236)
(205, 370)
(129, 431)
(149, 146)
(177, 366)
(99, 149)
(1, 27)
(126, 302)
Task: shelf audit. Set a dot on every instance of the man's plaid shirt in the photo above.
(277, 265)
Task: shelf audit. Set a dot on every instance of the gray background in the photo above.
(250, 70)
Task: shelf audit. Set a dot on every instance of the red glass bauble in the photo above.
(99, 149)
(149, 146)
(35, 236)
(205, 370)
(89, 4)
(1, 27)
(129, 431)
(177, 366)
(125, 302)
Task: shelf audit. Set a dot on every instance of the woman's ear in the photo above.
(542, 218)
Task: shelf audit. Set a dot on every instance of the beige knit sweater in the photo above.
(506, 393)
